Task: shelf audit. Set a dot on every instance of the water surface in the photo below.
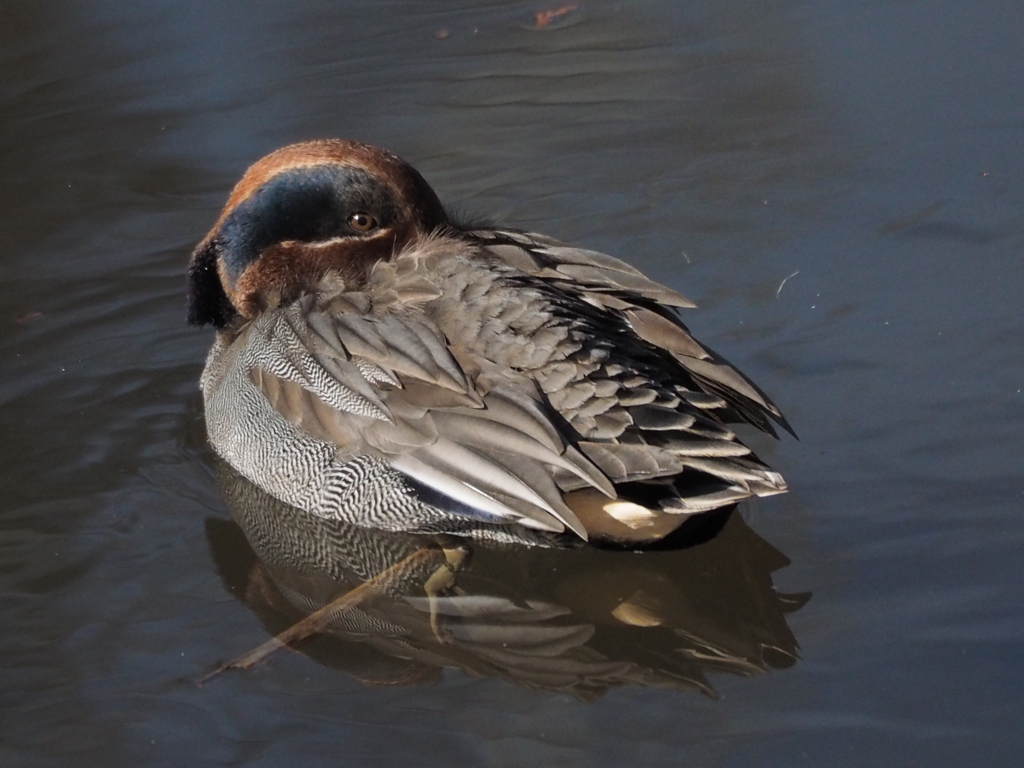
(837, 186)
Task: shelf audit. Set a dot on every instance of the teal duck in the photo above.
(379, 363)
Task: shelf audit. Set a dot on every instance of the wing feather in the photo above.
(388, 383)
(595, 384)
(648, 309)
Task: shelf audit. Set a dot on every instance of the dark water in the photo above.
(871, 153)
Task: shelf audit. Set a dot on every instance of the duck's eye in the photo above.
(362, 222)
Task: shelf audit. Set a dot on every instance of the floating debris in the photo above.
(784, 282)
(543, 19)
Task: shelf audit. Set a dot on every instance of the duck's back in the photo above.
(464, 387)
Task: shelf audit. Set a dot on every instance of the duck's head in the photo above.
(299, 213)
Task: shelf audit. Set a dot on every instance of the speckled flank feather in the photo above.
(491, 377)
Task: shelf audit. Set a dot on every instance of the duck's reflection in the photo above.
(573, 620)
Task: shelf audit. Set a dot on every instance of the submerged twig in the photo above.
(317, 621)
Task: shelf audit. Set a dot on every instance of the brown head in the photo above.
(299, 213)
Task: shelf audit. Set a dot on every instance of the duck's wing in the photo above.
(370, 373)
(647, 307)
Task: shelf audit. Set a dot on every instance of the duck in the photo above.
(380, 362)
